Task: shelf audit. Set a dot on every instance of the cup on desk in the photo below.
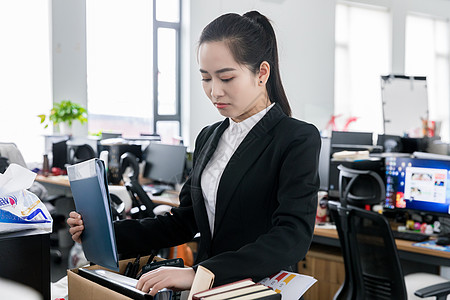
(322, 212)
(45, 166)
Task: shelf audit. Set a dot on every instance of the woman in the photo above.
(252, 193)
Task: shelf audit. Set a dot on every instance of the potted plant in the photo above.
(63, 114)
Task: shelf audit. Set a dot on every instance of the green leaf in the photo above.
(42, 118)
(66, 111)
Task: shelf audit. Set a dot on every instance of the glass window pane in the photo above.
(362, 55)
(168, 10)
(126, 125)
(119, 65)
(167, 88)
(169, 132)
(442, 31)
(25, 75)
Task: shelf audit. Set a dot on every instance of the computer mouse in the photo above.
(443, 240)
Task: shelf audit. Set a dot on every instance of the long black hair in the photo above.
(251, 39)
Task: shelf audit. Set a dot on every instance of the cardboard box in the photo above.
(81, 288)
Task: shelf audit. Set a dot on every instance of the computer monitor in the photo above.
(324, 163)
(351, 138)
(164, 163)
(418, 184)
(390, 143)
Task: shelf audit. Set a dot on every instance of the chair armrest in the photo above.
(440, 291)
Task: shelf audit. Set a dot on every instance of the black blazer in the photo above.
(265, 209)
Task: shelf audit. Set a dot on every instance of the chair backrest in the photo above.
(117, 207)
(129, 163)
(79, 153)
(4, 163)
(360, 187)
(12, 153)
(139, 197)
(372, 265)
(129, 166)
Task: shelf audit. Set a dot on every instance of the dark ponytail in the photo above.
(251, 39)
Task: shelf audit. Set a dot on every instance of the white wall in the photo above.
(69, 54)
(305, 33)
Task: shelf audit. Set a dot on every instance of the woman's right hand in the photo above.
(76, 226)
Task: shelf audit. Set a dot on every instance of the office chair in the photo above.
(79, 153)
(129, 166)
(117, 207)
(4, 163)
(372, 264)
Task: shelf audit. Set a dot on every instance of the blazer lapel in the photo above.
(197, 196)
(245, 155)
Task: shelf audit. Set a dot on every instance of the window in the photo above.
(361, 57)
(25, 74)
(427, 54)
(167, 28)
(133, 67)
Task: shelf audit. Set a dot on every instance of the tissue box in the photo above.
(81, 288)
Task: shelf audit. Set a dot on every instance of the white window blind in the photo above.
(361, 57)
(427, 54)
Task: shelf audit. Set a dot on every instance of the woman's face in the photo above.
(232, 88)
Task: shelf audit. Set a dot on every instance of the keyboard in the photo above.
(410, 236)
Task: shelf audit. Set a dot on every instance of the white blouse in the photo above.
(228, 143)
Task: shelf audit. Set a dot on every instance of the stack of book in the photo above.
(242, 289)
(282, 284)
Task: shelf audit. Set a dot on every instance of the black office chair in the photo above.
(129, 165)
(372, 265)
(117, 207)
(79, 153)
(4, 163)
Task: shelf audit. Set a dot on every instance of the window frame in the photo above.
(177, 27)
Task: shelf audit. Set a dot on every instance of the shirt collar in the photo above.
(247, 124)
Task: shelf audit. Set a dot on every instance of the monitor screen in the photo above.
(418, 184)
(351, 138)
(164, 163)
(324, 163)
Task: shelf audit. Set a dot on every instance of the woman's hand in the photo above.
(166, 277)
(76, 226)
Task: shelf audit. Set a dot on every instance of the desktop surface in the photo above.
(407, 250)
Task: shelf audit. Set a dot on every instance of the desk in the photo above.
(406, 250)
(324, 262)
(167, 198)
(57, 185)
(25, 258)
(60, 180)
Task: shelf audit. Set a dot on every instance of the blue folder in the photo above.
(89, 186)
